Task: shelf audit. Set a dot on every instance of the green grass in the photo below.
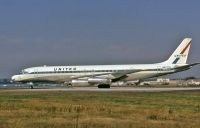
(100, 109)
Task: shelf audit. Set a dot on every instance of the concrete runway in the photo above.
(112, 89)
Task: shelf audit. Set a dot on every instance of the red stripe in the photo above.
(185, 48)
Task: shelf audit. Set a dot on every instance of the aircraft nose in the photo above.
(15, 78)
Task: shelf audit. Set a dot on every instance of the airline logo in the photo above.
(176, 60)
(183, 51)
(64, 69)
(181, 54)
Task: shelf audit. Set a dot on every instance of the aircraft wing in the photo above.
(91, 75)
(122, 75)
(115, 75)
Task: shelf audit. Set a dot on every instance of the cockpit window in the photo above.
(24, 72)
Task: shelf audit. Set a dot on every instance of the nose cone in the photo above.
(15, 78)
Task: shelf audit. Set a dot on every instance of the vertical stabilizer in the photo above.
(180, 55)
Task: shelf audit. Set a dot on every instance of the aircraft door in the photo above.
(35, 72)
(159, 69)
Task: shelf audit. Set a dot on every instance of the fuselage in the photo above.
(68, 73)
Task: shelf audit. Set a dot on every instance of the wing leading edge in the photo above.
(115, 75)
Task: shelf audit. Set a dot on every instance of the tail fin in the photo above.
(180, 55)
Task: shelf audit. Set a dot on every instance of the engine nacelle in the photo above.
(79, 82)
(98, 81)
(90, 81)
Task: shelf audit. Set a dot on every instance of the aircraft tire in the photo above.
(104, 86)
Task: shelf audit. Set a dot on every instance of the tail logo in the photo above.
(176, 60)
(181, 54)
(186, 47)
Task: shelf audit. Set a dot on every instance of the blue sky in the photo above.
(77, 32)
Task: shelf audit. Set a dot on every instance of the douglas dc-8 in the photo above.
(104, 75)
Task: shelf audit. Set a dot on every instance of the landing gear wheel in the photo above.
(138, 83)
(104, 86)
(67, 84)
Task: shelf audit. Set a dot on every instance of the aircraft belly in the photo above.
(47, 77)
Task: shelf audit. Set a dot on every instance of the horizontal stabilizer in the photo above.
(186, 66)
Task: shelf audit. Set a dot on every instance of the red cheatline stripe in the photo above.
(185, 48)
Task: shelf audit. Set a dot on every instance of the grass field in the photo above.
(100, 110)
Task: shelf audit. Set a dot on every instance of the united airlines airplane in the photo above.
(104, 75)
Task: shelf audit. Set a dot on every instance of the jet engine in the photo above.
(98, 81)
(79, 82)
(90, 81)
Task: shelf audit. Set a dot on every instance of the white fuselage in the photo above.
(68, 73)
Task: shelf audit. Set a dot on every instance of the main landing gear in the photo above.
(68, 84)
(31, 86)
(104, 86)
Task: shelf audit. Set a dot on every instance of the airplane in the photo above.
(104, 75)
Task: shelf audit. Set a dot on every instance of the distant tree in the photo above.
(4, 81)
